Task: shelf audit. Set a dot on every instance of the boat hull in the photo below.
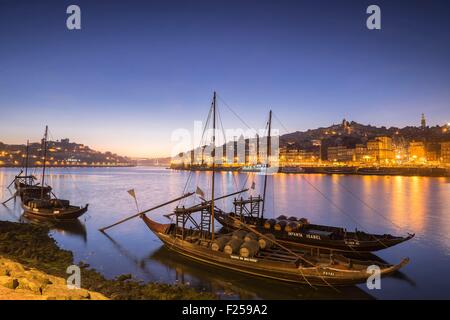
(283, 271)
(59, 214)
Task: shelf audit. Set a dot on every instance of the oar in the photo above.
(206, 202)
(11, 184)
(14, 180)
(13, 197)
(148, 210)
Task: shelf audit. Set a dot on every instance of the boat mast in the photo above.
(26, 159)
(45, 160)
(267, 164)
(213, 166)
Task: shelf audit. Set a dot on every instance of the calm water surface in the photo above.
(377, 204)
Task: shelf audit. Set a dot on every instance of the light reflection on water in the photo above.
(408, 204)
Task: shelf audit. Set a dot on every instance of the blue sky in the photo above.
(140, 69)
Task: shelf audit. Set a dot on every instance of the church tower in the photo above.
(423, 122)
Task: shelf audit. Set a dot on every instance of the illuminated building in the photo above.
(433, 152)
(360, 152)
(380, 149)
(416, 151)
(445, 152)
(340, 154)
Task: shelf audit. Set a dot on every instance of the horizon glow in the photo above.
(138, 71)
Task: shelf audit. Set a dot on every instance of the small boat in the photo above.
(25, 182)
(258, 168)
(379, 171)
(340, 170)
(40, 201)
(291, 169)
(56, 209)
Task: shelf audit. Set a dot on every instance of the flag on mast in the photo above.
(200, 192)
(132, 193)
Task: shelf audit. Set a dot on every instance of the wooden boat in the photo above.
(313, 235)
(300, 232)
(55, 209)
(40, 201)
(26, 183)
(272, 263)
(243, 285)
(32, 190)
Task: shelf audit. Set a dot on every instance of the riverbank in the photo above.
(350, 170)
(32, 266)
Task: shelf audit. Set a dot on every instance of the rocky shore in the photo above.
(32, 266)
(18, 282)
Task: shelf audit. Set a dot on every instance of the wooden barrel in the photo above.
(280, 225)
(249, 249)
(233, 246)
(250, 236)
(60, 202)
(292, 218)
(269, 223)
(291, 226)
(304, 221)
(219, 243)
(282, 217)
(239, 234)
(266, 242)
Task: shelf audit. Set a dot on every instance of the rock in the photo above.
(124, 277)
(27, 284)
(97, 296)
(39, 277)
(9, 282)
(4, 271)
(14, 267)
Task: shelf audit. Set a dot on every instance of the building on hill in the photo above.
(445, 152)
(361, 153)
(380, 149)
(433, 152)
(341, 154)
(416, 151)
(60, 154)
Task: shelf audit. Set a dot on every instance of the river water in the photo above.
(377, 204)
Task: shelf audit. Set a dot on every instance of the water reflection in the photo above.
(69, 228)
(229, 284)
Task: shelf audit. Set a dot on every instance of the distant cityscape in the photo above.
(350, 144)
(60, 154)
(343, 144)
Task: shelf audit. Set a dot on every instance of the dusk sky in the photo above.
(137, 70)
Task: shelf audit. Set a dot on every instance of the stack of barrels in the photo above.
(246, 244)
(283, 223)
